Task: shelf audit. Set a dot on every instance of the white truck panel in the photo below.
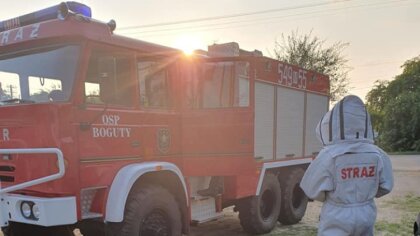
(264, 121)
(52, 211)
(317, 106)
(290, 120)
(125, 179)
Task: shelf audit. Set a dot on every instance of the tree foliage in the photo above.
(376, 102)
(396, 105)
(310, 52)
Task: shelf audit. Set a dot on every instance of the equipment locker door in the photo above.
(264, 127)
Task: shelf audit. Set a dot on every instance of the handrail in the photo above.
(59, 174)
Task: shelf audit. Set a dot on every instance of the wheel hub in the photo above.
(155, 224)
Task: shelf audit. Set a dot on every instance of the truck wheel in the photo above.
(20, 229)
(294, 200)
(259, 214)
(150, 211)
(6, 231)
(416, 229)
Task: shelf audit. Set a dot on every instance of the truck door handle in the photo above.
(135, 143)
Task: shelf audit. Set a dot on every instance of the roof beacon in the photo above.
(60, 11)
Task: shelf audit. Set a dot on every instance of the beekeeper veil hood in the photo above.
(347, 121)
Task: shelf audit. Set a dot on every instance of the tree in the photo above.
(401, 126)
(376, 100)
(310, 52)
(396, 105)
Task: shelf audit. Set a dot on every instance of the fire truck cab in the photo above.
(136, 138)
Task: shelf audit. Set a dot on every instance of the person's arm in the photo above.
(317, 180)
(386, 179)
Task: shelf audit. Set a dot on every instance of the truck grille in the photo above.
(6, 178)
(7, 168)
(6, 172)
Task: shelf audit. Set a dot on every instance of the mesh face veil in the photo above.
(348, 120)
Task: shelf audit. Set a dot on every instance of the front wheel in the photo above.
(6, 231)
(150, 211)
(258, 214)
(20, 229)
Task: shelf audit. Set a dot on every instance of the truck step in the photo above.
(203, 209)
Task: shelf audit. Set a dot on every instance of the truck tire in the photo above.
(20, 229)
(294, 200)
(5, 231)
(150, 211)
(259, 214)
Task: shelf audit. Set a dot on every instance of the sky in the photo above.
(382, 34)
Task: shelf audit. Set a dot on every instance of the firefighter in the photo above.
(349, 172)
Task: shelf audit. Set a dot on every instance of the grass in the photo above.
(410, 207)
(410, 203)
(294, 230)
(404, 227)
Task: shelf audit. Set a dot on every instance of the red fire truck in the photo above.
(101, 130)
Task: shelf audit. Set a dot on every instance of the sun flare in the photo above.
(188, 43)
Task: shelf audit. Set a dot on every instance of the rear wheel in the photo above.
(259, 214)
(294, 200)
(150, 211)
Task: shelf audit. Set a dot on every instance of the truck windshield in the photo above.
(38, 76)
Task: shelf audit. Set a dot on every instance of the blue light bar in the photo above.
(54, 12)
(79, 8)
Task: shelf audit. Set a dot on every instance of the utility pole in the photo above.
(11, 91)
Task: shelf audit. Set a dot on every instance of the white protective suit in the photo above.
(349, 172)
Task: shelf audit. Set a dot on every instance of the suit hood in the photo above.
(347, 121)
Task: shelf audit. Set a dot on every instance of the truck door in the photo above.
(218, 119)
(108, 130)
(159, 81)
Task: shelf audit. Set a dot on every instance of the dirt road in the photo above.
(394, 214)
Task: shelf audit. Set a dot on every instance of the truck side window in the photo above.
(221, 85)
(241, 85)
(153, 81)
(108, 79)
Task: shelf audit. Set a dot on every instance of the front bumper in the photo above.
(52, 211)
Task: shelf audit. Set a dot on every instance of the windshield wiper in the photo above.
(17, 100)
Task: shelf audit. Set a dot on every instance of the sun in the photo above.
(188, 43)
(188, 51)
